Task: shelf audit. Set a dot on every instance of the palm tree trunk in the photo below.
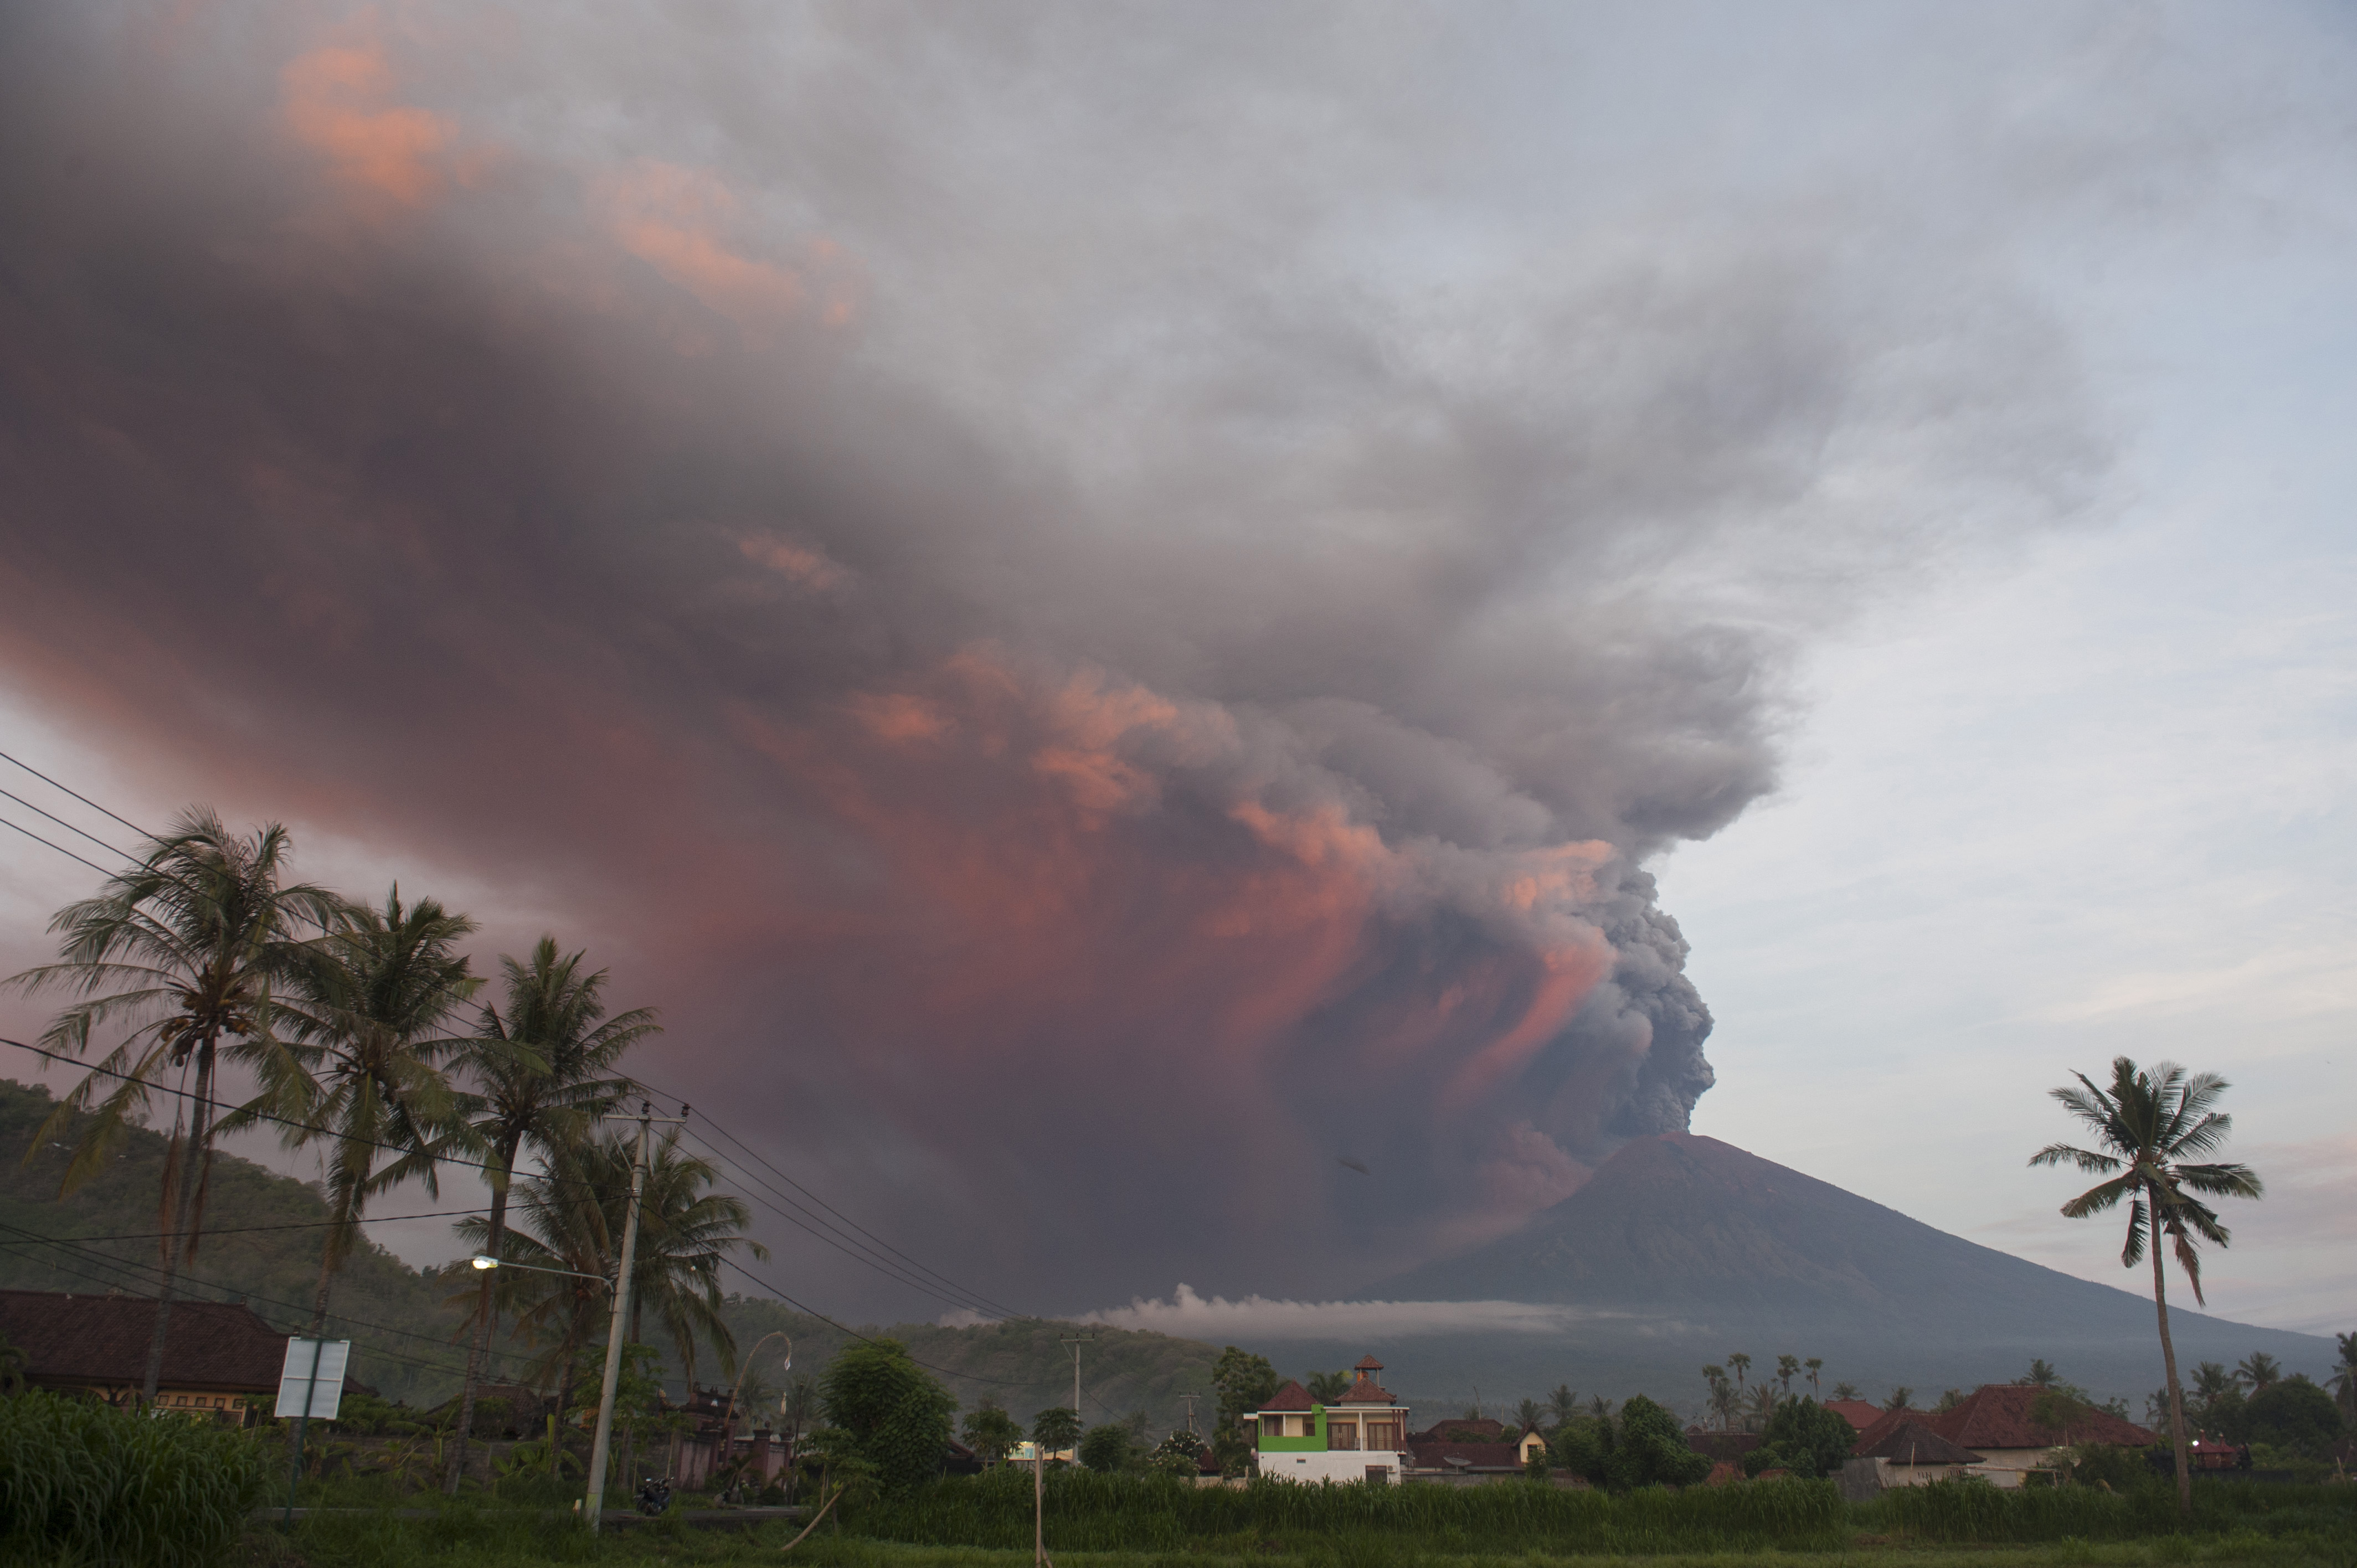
(484, 1310)
(2175, 1393)
(564, 1394)
(631, 1432)
(184, 1217)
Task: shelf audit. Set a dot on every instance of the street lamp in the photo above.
(485, 1261)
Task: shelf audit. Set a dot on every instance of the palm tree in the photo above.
(1815, 1364)
(2042, 1374)
(363, 1074)
(1787, 1369)
(1742, 1364)
(1845, 1391)
(1759, 1409)
(684, 1229)
(2343, 1380)
(1562, 1405)
(2148, 1122)
(541, 1073)
(191, 947)
(1530, 1414)
(1899, 1398)
(2259, 1371)
(557, 1299)
(1326, 1387)
(1722, 1395)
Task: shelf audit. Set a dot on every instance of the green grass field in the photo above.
(1099, 1522)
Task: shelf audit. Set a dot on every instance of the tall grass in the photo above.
(86, 1483)
(1976, 1512)
(1089, 1512)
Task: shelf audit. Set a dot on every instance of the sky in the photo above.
(1111, 609)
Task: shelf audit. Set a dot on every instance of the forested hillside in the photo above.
(261, 1241)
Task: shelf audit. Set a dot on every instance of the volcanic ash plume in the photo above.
(1090, 686)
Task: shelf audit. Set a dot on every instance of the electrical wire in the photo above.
(132, 1269)
(907, 1270)
(973, 1299)
(85, 799)
(785, 1208)
(65, 824)
(61, 849)
(211, 1230)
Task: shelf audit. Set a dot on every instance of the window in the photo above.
(1341, 1434)
(1380, 1473)
(1383, 1434)
(1300, 1425)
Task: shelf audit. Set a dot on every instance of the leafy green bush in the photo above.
(84, 1480)
(2294, 1414)
(1651, 1450)
(1806, 1438)
(1105, 1449)
(895, 1411)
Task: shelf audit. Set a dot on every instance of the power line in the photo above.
(58, 847)
(251, 1229)
(959, 1296)
(551, 1176)
(963, 1297)
(973, 1299)
(135, 1268)
(865, 1255)
(65, 824)
(85, 799)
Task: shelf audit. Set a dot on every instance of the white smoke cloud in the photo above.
(1189, 1315)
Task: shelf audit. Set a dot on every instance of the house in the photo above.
(1361, 1437)
(220, 1359)
(1722, 1447)
(1859, 1414)
(1909, 1454)
(1995, 1424)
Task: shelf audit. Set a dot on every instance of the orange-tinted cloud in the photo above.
(678, 220)
(335, 100)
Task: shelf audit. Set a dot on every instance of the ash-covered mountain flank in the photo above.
(1682, 1248)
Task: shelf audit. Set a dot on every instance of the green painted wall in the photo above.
(1313, 1444)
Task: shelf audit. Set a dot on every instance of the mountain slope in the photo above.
(1683, 1248)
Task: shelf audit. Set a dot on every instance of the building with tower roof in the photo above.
(1361, 1437)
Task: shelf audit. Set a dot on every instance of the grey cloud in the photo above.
(1196, 355)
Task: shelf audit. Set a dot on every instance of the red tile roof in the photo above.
(1366, 1391)
(1439, 1430)
(1859, 1414)
(1909, 1442)
(1292, 1396)
(70, 1339)
(1368, 1364)
(1475, 1456)
(1997, 1416)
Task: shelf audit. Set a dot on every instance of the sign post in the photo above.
(310, 1363)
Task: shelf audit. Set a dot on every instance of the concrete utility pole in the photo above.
(1190, 1400)
(1076, 1341)
(595, 1503)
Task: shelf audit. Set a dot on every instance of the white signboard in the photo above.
(315, 1367)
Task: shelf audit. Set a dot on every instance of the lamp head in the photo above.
(485, 1261)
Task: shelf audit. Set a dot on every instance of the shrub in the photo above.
(1651, 1451)
(1105, 1449)
(1807, 1439)
(895, 1412)
(2294, 1414)
(82, 1480)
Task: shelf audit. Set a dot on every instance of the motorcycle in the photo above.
(655, 1495)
